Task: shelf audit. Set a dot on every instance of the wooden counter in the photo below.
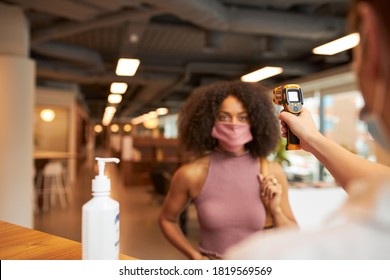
(53, 155)
(20, 243)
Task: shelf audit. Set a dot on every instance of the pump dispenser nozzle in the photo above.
(101, 183)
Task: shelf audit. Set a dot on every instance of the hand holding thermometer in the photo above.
(290, 97)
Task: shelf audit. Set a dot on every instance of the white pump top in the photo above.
(102, 183)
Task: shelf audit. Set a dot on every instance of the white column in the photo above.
(17, 90)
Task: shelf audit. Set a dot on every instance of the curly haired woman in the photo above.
(229, 127)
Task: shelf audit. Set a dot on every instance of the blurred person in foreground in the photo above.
(361, 228)
(231, 128)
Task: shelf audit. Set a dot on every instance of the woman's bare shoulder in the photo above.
(194, 168)
(192, 175)
(275, 167)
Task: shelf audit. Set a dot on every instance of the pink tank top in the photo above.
(229, 205)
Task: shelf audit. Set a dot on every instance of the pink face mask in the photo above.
(231, 136)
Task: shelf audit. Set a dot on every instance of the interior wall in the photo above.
(53, 135)
(64, 98)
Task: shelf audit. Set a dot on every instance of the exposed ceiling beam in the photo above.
(68, 74)
(215, 16)
(143, 97)
(282, 2)
(286, 24)
(66, 29)
(111, 5)
(61, 8)
(72, 53)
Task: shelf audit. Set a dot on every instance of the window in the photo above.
(337, 117)
(342, 124)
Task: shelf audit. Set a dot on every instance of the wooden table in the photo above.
(20, 243)
(53, 155)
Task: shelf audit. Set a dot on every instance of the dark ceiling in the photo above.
(181, 44)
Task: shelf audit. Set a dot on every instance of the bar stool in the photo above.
(54, 185)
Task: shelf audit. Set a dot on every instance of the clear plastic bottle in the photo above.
(100, 219)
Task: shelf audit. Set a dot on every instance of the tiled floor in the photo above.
(140, 235)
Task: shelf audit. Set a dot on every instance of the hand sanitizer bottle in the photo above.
(100, 219)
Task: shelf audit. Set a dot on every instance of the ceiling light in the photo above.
(127, 66)
(114, 98)
(109, 113)
(127, 127)
(106, 120)
(162, 111)
(98, 128)
(118, 88)
(114, 128)
(339, 45)
(151, 123)
(152, 114)
(110, 110)
(137, 120)
(261, 74)
(47, 115)
(133, 38)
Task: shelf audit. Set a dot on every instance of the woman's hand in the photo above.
(199, 256)
(270, 193)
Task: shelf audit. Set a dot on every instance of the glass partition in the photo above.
(337, 117)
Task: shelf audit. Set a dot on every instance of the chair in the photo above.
(160, 181)
(52, 185)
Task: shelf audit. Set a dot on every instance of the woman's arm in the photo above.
(342, 164)
(177, 199)
(274, 192)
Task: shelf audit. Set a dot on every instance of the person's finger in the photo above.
(261, 181)
(283, 123)
(267, 182)
(274, 188)
(274, 191)
(271, 190)
(285, 117)
(264, 188)
(267, 191)
(271, 184)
